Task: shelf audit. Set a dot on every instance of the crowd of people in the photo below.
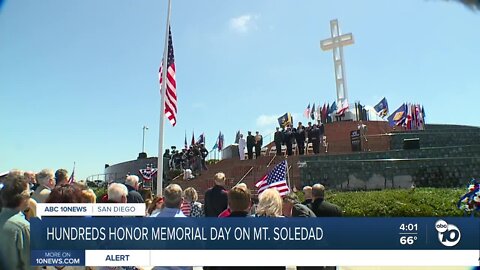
(21, 191)
(191, 160)
(300, 136)
(295, 140)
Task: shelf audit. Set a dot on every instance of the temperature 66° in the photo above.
(407, 240)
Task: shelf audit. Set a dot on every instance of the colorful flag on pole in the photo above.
(285, 120)
(333, 108)
(237, 137)
(382, 108)
(312, 112)
(276, 178)
(307, 111)
(342, 107)
(171, 83)
(397, 118)
(201, 139)
(186, 144)
(220, 141)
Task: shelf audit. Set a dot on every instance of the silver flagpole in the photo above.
(162, 108)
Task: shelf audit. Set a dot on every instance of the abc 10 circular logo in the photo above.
(448, 234)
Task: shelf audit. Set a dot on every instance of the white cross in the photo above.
(336, 44)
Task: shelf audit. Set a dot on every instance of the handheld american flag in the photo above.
(71, 180)
(276, 178)
(171, 85)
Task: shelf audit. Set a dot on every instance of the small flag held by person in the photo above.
(276, 178)
(71, 180)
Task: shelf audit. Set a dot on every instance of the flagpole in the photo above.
(288, 173)
(162, 108)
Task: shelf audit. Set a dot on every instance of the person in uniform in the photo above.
(258, 144)
(250, 144)
(300, 137)
(288, 140)
(315, 134)
(278, 139)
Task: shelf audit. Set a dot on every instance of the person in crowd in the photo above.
(258, 144)
(117, 193)
(288, 140)
(67, 194)
(167, 154)
(293, 208)
(46, 181)
(294, 141)
(146, 194)
(239, 201)
(131, 182)
(315, 134)
(228, 211)
(195, 208)
(321, 133)
(278, 139)
(216, 198)
(203, 155)
(155, 207)
(241, 147)
(61, 177)
(30, 176)
(307, 195)
(172, 201)
(250, 144)
(269, 204)
(300, 138)
(195, 160)
(187, 174)
(322, 208)
(14, 228)
(308, 136)
(88, 195)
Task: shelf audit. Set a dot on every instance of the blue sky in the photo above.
(78, 79)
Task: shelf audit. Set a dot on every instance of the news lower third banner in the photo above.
(131, 240)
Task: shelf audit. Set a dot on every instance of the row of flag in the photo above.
(323, 112)
(219, 143)
(199, 140)
(410, 116)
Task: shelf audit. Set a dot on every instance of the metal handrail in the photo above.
(269, 163)
(245, 175)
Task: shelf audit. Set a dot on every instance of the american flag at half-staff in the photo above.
(276, 178)
(171, 93)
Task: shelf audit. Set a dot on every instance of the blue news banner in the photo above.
(63, 241)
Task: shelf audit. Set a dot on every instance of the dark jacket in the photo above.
(239, 214)
(278, 138)
(250, 140)
(322, 208)
(300, 210)
(216, 200)
(133, 195)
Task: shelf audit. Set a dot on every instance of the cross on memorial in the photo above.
(336, 43)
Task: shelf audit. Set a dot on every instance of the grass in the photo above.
(421, 202)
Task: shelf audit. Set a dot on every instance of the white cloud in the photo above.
(267, 120)
(243, 23)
